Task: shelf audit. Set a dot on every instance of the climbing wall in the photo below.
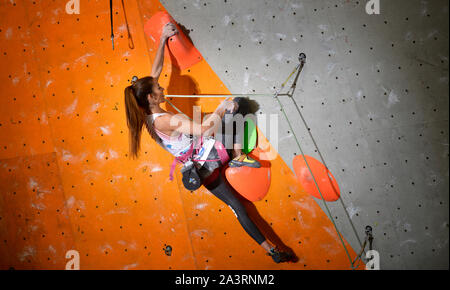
(374, 100)
(67, 183)
(66, 179)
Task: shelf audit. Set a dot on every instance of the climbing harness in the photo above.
(190, 175)
(298, 69)
(223, 155)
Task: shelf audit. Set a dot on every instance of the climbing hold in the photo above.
(168, 250)
(325, 180)
(251, 183)
(302, 57)
(250, 136)
(185, 53)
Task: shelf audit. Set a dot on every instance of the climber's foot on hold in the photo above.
(244, 160)
(280, 256)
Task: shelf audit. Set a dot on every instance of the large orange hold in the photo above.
(251, 183)
(325, 180)
(185, 53)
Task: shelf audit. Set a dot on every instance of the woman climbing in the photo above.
(142, 103)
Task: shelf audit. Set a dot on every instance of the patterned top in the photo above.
(176, 145)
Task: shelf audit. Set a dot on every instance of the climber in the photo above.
(142, 103)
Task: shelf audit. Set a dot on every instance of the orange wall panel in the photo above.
(74, 175)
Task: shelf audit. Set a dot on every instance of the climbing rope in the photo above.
(369, 239)
(290, 94)
(222, 96)
(111, 17)
(178, 110)
(302, 58)
(130, 38)
(299, 67)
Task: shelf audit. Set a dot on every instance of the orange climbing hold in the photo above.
(251, 183)
(184, 52)
(325, 180)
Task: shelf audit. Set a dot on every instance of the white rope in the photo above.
(221, 96)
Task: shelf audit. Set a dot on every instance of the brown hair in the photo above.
(137, 109)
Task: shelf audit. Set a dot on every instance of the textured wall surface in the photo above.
(374, 93)
(67, 182)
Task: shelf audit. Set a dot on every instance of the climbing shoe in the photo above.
(279, 256)
(246, 161)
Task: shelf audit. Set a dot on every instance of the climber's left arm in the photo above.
(168, 30)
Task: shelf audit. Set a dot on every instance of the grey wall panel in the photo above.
(374, 93)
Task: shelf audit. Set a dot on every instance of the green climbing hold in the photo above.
(250, 136)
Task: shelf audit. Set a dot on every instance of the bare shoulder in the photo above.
(162, 123)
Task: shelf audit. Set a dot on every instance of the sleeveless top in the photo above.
(182, 143)
(176, 145)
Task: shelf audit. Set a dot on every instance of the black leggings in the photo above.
(222, 190)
